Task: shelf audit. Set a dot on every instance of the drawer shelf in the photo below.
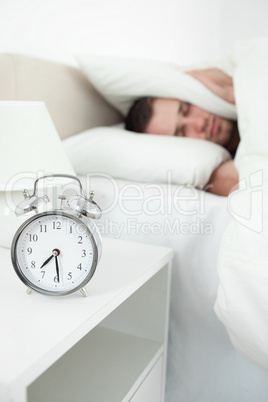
(110, 371)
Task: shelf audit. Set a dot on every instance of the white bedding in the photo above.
(144, 158)
(242, 302)
(202, 365)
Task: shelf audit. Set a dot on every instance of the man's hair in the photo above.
(139, 115)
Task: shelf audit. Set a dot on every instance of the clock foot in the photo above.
(29, 291)
(84, 292)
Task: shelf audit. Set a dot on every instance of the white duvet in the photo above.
(242, 301)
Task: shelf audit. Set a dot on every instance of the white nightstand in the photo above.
(110, 346)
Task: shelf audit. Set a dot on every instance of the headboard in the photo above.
(72, 102)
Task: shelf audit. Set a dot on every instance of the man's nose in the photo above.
(195, 125)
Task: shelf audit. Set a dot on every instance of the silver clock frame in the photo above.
(91, 229)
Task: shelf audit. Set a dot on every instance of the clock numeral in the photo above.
(79, 266)
(56, 279)
(33, 237)
(43, 273)
(84, 253)
(56, 225)
(43, 228)
(80, 238)
(33, 264)
(29, 250)
(70, 275)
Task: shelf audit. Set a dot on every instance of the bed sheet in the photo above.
(202, 364)
(242, 301)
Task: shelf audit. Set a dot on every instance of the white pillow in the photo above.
(122, 80)
(144, 158)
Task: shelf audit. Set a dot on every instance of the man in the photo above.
(174, 117)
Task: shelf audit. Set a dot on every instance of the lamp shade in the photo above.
(30, 148)
(29, 145)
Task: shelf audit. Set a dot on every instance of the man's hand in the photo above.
(224, 179)
(216, 81)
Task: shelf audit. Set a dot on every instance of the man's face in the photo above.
(181, 119)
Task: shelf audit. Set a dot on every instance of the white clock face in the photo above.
(55, 253)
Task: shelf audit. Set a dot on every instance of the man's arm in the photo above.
(224, 179)
(216, 81)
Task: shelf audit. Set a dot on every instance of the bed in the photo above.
(203, 364)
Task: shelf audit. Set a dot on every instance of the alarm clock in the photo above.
(56, 252)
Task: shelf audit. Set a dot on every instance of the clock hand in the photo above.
(57, 267)
(47, 261)
(55, 253)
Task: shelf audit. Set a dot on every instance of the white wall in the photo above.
(242, 20)
(185, 31)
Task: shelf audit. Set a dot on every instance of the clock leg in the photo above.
(84, 292)
(29, 291)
